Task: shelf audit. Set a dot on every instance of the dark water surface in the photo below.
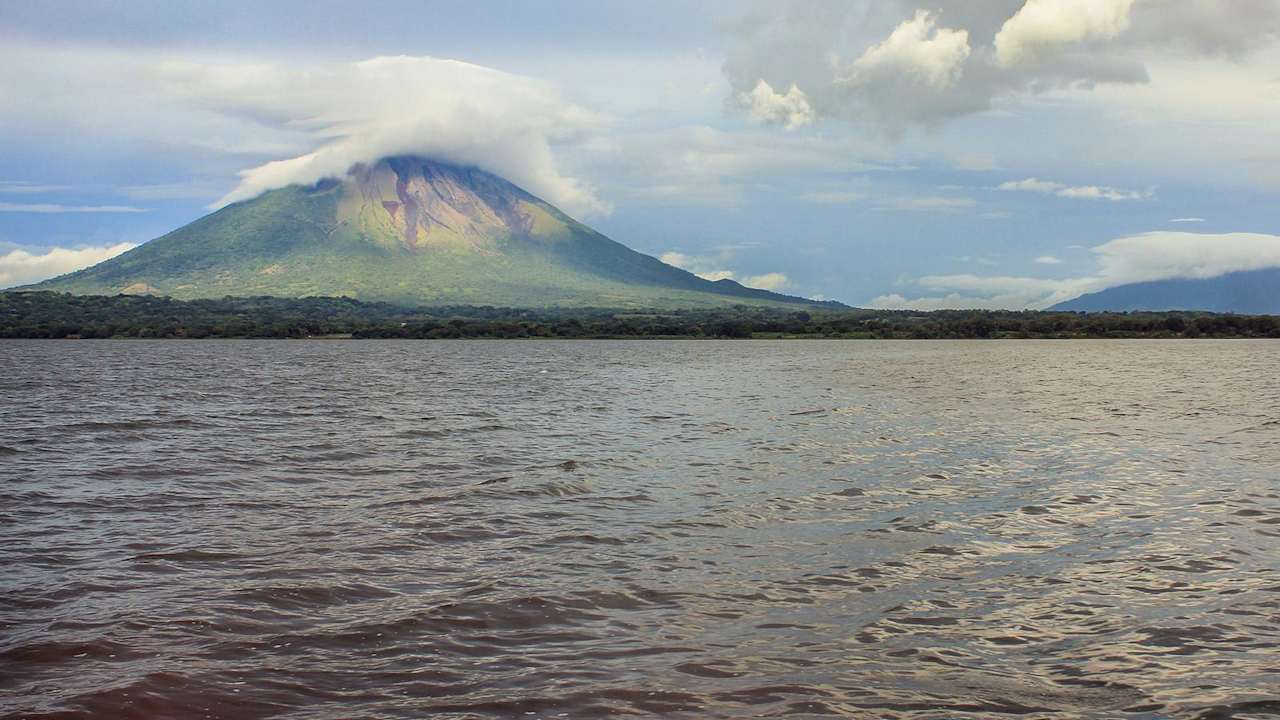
(490, 529)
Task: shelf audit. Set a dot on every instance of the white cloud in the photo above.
(767, 281)
(890, 62)
(1137, 258)
(1095, 192)
(917, 50)
(1031, 185)
(361, 112)
(895, 301)
(1163, 255)
(1042, 27)
(1083, 192)
(1187, 220)
(955, 301)
(985, 293)
(765, 105)
(711, 267)
(54, 209)
(716, 275)
(679, 259)
(913, 75)
(20, 267)
(1048, 260)
(706, 267)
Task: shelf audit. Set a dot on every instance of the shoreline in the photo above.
(63, 316)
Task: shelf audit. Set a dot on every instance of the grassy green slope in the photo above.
(235, 248)
(598, 255)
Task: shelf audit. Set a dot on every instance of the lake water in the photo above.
(684, 529)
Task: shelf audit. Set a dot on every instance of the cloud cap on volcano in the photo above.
(387, 106)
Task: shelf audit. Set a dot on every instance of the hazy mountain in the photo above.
(1251, 293)
(410, 231)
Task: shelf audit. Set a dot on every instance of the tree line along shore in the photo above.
(59, 315)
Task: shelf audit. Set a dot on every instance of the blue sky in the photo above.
(1006, 153)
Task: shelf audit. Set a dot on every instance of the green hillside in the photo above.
(406, 231)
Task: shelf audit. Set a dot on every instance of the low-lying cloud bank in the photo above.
(1138, 258)
(712, 268)
(363, 111)
(21, 267)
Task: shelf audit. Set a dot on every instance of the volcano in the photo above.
(1253, 292)
(409, 231)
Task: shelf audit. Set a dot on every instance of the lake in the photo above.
(674, 529)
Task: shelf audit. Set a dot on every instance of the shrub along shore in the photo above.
(57, 315)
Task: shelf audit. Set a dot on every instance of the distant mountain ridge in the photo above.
(410, 231)
(1255, 292)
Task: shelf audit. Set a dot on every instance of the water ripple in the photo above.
(243, 529)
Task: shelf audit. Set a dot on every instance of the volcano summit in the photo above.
(409, 231)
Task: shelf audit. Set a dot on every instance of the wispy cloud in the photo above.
(926, 203)
(978, 259)
(22, 187)
(196, 190)
(890, 203)
(1077, 192)
(54, 208)
(1048, 260)
(834, 197)
(1187, 220)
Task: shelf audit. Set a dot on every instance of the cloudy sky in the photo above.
(954, 153)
